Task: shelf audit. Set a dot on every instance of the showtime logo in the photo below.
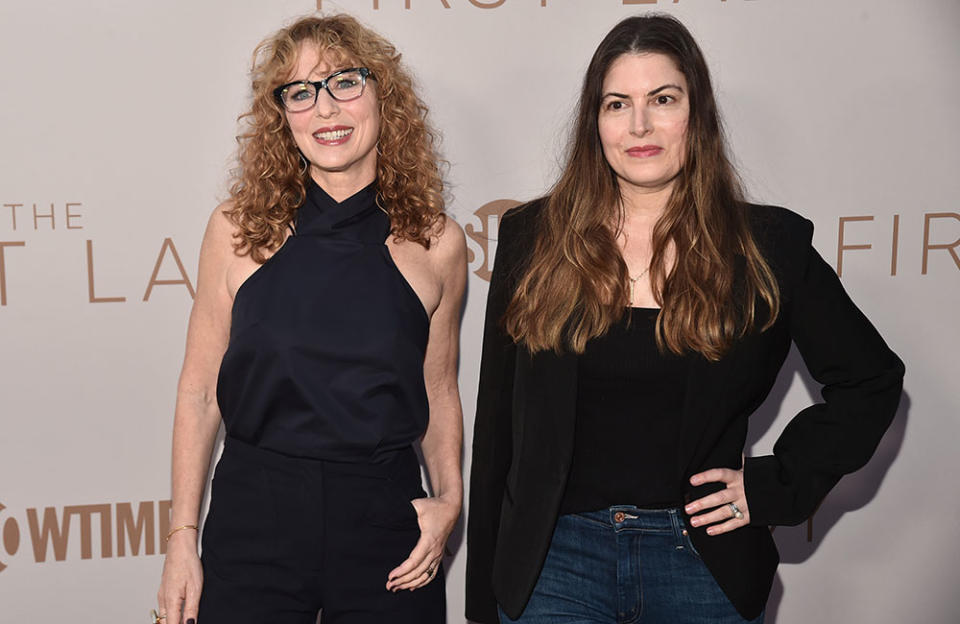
(127, 529)
(482, 241)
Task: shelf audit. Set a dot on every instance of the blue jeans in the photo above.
(625, 565)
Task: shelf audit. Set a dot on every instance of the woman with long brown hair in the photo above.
(636, 317)
(324, 335)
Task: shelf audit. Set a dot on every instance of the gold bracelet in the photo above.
(180, 528)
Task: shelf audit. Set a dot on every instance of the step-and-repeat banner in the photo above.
(116, 135)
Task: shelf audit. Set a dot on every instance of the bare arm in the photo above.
(196, 420)
(443, 441)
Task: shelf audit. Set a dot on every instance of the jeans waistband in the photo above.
(628, 517)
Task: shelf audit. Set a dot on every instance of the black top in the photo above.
(327, 341)
(627, 437)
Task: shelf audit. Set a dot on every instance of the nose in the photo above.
(640, 122)
(326, 107)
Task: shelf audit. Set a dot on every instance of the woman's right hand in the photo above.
(182, 580)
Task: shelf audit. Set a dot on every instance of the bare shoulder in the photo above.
(437, 271)
(448, 263)
(221, 229)
(221, 269)
(448, 247)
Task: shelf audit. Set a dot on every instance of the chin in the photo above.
(651, 180)
(330, 166)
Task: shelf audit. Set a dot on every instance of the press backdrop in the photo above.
(117, 122)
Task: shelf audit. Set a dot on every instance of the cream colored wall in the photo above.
(844, 112)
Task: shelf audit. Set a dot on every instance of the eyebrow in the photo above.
(664, 87)
(649, 94)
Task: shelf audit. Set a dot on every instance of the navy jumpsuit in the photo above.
(322, 395)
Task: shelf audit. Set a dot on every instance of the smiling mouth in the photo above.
(332, 135)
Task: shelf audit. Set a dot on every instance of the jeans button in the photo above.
(619, 516)
(684, 532)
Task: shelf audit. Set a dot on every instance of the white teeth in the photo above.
(333, 135)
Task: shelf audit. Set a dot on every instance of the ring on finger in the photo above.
(156, 619)
(735, 511)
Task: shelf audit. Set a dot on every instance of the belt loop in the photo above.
(677, 524)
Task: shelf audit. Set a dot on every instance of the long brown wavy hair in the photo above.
(576, 283)
(270, 181)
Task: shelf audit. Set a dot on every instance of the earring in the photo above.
(304, 165)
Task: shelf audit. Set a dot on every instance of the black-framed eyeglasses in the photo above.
(344, 85)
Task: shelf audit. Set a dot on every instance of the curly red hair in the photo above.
(270, 181)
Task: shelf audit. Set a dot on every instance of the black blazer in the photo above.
(523, 432)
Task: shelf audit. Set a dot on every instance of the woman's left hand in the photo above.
(716, 508)
(436, 517)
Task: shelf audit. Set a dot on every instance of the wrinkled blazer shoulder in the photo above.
(515, 241)
(783, 238)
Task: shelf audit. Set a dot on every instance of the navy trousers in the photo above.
(288, 537)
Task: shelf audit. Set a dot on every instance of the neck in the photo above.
(342, 184)
(644, 204)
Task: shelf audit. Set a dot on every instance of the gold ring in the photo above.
(156, 619)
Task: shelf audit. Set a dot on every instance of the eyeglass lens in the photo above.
(343, 86)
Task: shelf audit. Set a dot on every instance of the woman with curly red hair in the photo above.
(324, 335)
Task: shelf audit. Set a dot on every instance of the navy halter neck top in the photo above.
(327, 341)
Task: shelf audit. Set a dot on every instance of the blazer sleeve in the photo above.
(492, 437)
(862, 381)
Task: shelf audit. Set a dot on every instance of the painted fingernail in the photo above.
(191, 621)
